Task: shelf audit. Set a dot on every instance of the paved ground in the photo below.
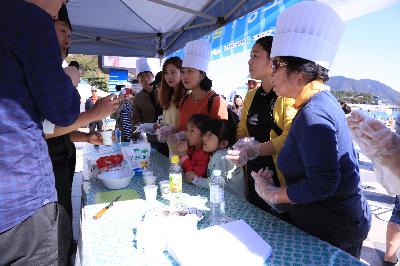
(381, 207)
(380, 202)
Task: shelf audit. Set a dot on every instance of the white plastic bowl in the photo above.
(116, 179)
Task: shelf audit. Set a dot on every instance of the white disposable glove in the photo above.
(74, 74)
(381, 145)
(388, 179)
(164, 132)
(265, 188)
(377, 141)
(178, 136)
(244, 150)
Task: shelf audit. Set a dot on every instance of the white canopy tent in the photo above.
(152, 28)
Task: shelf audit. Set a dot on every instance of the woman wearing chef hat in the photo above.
(194, 78)
(318, 159)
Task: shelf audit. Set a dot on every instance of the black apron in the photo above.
(259, 123)
(63, 158)
(160, 147)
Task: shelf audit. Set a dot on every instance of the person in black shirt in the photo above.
(259, 117)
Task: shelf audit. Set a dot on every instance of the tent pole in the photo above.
(188, 24)
(233, 10)
(148, 24)
(184, 9)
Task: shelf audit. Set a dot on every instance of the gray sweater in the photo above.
(233, 175)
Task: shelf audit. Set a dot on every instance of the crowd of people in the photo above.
(287, 147)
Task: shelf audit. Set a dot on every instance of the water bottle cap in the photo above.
(216, 172)
(175, 159)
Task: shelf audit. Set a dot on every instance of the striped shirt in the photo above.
(126, 118)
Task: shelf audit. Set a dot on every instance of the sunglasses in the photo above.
(276, 65)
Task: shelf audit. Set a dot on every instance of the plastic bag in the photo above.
(137, 155)
(244, 150)
(164, 133)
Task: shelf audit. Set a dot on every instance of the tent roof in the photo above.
(142, 27)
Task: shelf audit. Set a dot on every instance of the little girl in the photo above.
(193, 158)
(218, 137)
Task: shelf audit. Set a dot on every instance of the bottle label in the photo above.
(216, 194)
(175, 183)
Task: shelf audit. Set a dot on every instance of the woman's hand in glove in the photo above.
(266, 189)
(243, 151)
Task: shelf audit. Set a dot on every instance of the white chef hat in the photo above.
(310, 30)
(197, 55)
(142, 66)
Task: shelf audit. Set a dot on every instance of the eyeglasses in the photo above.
(276, 65)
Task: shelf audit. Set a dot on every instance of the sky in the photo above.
(370, 48)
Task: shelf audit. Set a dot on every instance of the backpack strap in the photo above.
(183, 100)
(210, 102)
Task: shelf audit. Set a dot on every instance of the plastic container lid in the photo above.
(175, 159)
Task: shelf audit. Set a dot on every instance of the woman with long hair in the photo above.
(170, 95)
(237, 105)
(171, 91)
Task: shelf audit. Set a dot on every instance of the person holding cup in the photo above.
(123, 115)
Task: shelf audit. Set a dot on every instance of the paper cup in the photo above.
(107, 137)
(164, 188)
(150, 192)
(149, 180)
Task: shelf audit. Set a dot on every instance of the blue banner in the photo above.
(241, 34)
(116, 76)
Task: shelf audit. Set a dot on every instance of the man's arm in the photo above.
(103, 108)
(51, 89)
(92, 138)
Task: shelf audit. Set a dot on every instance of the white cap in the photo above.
(197, 54)
(310, 30)
(142, 66)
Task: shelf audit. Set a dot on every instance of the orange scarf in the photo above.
(309, 90)
(94, 99)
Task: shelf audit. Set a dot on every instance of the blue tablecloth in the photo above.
(109, 240)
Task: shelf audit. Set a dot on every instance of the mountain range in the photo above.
(376, 88)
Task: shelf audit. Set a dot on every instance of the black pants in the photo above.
(34, 241)
(63, 157)
(63, 172)
(331, 226)
(93, 125)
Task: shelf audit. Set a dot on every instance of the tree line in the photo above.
(354, 97)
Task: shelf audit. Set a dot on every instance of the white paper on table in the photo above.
(234, 243)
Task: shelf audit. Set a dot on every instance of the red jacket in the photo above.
(197, 162)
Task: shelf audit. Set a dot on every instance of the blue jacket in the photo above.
(322, 174)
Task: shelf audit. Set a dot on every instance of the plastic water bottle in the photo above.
(217, 201)
(175, 181)
(117, 136)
